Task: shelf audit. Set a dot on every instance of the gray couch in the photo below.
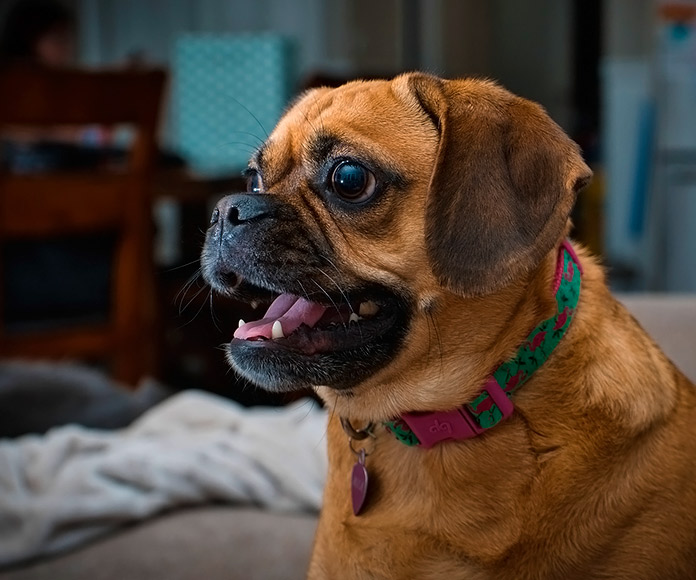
(223, 542)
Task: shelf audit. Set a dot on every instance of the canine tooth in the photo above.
(353, 317)
(277, 330)
(241, 323)
(368, 308)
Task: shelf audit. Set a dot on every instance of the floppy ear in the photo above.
(504, 183)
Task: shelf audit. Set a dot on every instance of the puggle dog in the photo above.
(494, 412)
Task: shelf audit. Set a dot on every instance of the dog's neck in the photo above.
(493, 405)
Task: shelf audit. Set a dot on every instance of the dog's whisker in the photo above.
(248, 149)
(332, 414)
(200, 308)
(250, 113)
(333, 265)
(250, 134)
(212, 311)
(304, 290)
(345, 296)
(338, 287)
(192, 279)
(180, 266)
(250, 145)
(306, 117)
(183, 291)
(328, 296)
(309, 405)
(236, 145)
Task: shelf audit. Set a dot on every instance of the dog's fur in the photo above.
(594, 475)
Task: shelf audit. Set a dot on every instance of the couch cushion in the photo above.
(671, 320)
(214, 542)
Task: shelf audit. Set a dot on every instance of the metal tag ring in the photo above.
(360, 453)
(357, 434)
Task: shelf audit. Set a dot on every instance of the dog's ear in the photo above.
(504, 183)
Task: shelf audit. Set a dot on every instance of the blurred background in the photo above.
(122, 122)
(618, 75)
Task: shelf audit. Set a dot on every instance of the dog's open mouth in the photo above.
(308, 327)
(337, 342)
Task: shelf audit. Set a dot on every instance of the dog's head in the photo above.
(372, 209)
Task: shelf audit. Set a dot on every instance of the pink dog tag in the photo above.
(358, 483)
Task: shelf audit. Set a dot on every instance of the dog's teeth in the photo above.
(241, 323)
(277, 330)
(368, 308)
(353, 317)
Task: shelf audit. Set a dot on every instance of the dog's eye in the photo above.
(352, 182)
(254, 182)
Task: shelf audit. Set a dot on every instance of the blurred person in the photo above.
(42, 31)
(39, 32)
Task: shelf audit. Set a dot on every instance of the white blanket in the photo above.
(73, 484)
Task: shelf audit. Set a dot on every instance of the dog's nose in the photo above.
(238, 209)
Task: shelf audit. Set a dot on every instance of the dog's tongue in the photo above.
(290, 310)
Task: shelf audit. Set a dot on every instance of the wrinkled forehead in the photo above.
(347, 104)
(364, 115)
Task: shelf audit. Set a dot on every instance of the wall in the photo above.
(630, 27)
(525, 45)
(114, 29)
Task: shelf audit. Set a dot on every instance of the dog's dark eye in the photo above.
(254, 182)
(352, 182)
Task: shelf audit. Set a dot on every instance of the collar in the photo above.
(493, 404)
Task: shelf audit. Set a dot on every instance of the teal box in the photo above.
(228, 93)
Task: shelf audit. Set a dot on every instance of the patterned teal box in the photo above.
(228, 92)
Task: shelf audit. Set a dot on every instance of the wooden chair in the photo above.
(49, 205)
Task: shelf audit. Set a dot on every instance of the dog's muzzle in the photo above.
(322, 326)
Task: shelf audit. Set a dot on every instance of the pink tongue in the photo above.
(290, 310)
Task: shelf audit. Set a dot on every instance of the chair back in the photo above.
(60, 203)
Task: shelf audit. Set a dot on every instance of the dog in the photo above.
(494, 412)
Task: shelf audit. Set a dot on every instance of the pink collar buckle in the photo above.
(432, 428)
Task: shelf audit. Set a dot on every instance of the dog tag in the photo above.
(358, 483)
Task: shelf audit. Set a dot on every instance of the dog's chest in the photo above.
(439, 510)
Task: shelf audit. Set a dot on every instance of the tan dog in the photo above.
(421, 221)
